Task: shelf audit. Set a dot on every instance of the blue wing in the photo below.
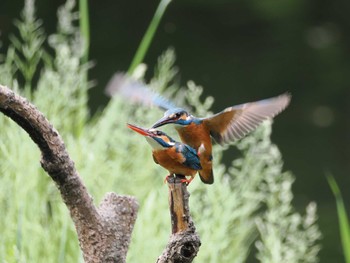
(136, 92)
(191, 157)
(235, 122)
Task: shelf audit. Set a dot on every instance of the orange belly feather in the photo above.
(195, 135)
(173, 162)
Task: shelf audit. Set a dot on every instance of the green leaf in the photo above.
(147, 38)
(84, 28)
(343, 218)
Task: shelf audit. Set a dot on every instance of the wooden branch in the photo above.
(103, 232)
(184, 242)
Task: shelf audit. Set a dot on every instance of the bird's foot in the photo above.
(167, 177)
(182, 178)
(187, 181)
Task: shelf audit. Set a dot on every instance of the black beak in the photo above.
(163, 121)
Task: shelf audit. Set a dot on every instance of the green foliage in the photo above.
(85, 27)
(343, 218)
(249, 202)
(28, 48)
(293, 238)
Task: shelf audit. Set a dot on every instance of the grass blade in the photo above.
(63, 242)
(84, 28)
(147, 38)
(343, 218)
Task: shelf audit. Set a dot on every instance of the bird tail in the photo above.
(206, 173)
(207, 176)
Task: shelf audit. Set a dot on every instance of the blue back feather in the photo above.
(191, 157)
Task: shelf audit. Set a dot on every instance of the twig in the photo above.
(103, 232)
(184, 242)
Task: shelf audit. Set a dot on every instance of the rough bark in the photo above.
(184, 242)
(104, 232)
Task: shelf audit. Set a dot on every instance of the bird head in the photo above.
(157, 139)
(176, 116)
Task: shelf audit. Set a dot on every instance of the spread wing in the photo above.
(191, 158)
(235, 122)
(136, 92)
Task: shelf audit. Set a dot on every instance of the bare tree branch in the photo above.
(104, 232)
(184, 242)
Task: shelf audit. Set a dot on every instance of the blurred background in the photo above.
(242, 51)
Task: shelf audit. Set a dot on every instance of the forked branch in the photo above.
(104, 232)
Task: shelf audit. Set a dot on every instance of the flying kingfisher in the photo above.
(176, 157)
(231, 124)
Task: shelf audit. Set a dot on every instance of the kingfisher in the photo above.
(178, 158)
(231, 124)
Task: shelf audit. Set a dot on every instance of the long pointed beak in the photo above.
(162, 122)
(139, 130)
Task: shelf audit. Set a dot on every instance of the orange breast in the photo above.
(195, 135)
(172, 161)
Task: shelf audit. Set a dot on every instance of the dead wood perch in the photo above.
(104, 232)
(184, 242)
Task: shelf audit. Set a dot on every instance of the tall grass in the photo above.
(148, 37)
(344, 226)
(249, 204)
(84, 28)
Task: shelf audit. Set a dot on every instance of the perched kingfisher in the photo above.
(231, 124)
(176, 157)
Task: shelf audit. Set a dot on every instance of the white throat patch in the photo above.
(154, 144)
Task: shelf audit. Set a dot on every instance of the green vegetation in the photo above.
(84, 27)
(148, 37)
(249, 204)
(343, 218)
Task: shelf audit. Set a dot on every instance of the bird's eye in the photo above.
(177, 115)
(159, 133)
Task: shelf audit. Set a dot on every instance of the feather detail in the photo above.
(176, 163)
(235, 122)
(206, 175)
(191, 158)
(136, 91)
